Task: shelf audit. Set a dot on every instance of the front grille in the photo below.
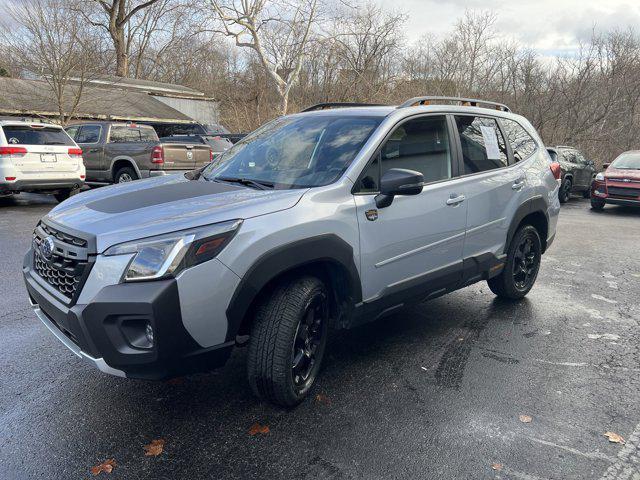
(65, 268)
(624, 192)
(63, 276)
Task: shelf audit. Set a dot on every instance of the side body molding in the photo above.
(328, 248)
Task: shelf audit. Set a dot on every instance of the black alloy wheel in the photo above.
(308, 342)
(525, 263)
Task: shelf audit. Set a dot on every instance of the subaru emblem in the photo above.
(46, 247)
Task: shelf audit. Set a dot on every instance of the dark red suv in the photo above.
(619, 184)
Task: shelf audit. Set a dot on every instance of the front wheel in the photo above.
(287, 342)
(597, 204)
(522, 265)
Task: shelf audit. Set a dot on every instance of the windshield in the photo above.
(627, 161)
(295, 152)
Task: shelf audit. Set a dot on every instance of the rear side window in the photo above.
(148, 135)
(522, 144)
(27, 135)
(483, 147)
(554, 155)
(122, 134)
(88, 134)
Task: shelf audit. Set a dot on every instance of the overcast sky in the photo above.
(550, 26)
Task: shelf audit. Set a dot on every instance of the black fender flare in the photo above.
(533, 205)
(322, 248)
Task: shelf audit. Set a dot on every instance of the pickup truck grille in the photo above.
(624, 192)
(65, 268)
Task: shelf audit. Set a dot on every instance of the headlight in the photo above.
(600, 177)
(167, 255)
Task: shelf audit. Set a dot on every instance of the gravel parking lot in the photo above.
(435, 391)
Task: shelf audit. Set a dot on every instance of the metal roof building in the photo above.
(108, 98)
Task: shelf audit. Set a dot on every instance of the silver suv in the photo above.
(328, 218)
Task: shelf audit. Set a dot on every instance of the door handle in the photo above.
(518, 185)
(94, 150)
(455, 200)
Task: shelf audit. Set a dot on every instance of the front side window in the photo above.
(88, 134)
(483, 147)
(295, 151)
(36, 135)
(522, 144)
(421, 145)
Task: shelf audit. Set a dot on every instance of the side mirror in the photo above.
(605, 166)
(398, 181)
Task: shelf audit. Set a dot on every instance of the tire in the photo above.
(124, 175)
(62, 195)
(565, 190)
(586, 194)
(597, 204)
(514, 282)
(288, 340)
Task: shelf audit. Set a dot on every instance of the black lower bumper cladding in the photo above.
(97, 328)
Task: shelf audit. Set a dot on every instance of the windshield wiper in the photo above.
(258, 184)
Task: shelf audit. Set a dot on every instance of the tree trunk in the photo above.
(284, 103)
(122, 59)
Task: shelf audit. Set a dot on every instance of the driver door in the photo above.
(414, 246)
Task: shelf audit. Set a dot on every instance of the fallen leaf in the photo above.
(525, 418)
(256, 428)
(154, 448)
(496, 466)
(106, 467)
(614, 437)
(320, 398)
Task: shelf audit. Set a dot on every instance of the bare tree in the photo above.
(278, 31)
(115, 18)
(47, 41)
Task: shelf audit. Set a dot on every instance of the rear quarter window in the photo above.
(522, 144)
(28, 135)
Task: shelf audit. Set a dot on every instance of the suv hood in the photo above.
(621, 173)
(145, 208)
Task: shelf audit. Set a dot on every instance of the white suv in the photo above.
(39, 157)
(330, 217)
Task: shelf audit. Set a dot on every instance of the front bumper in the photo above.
(600, 191)
(96, 332)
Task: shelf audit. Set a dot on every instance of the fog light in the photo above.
(148, 332)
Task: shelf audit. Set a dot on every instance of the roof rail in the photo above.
(326, 106)
(470, 102)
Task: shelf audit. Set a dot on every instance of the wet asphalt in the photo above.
(434, 391)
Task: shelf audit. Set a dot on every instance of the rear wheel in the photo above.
(565, 190)
(597, 204)
(62, 195)
(288, 340)
(522, 265)
(125, 174)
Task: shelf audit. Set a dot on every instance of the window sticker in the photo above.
(491, 142)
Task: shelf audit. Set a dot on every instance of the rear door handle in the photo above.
(518, 185)
(456, 199)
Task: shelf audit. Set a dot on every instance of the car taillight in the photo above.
(13, 151)
(82, 177)
(210, 155)
(556, 170)
(75, 152)
(9, 179)
(157, 155)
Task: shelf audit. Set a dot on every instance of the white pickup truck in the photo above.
(39, 157)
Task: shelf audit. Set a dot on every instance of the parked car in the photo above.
(216, 143)
(215, 135)
(619, 184)
(116, 152)
(577, 171)
(318, 219)
(39, 157)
